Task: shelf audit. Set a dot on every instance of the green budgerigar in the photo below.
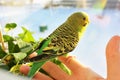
(65, 38)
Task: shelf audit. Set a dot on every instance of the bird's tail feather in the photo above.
(42, 57)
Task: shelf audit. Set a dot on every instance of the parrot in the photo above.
(65, 38)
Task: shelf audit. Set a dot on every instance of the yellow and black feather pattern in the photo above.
(65, 38)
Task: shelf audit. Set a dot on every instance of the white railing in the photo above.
(84, 3)
(111, 4)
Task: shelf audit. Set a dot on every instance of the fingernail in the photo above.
(69, 58)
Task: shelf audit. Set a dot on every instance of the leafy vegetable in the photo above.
(19, 56)
(2, 53)
(10, 26)
(8, 60)
(15, 69)
(26, 35)
(24, 46)
(62, 66)
(35, 67)
(13, 58)
(8, 38)
(18, 49)
(12, 47)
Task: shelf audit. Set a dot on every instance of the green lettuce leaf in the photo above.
(2, 53)
(12, 47)
(8, 38)
(35, 67)
(10, 26)
(19, 56)
(24, 46)
(26, 35)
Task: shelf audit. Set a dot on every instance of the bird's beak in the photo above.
(86, 23)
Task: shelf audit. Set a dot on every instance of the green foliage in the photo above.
(2, 52)
(19, 56)
(12, 47)
(35, 67)
(10, 26)
(12, 59)
(8, 38)
(44, 44)
(26, 35)
(19, 48)
(15, 69)
(24, 46)
(62, 66)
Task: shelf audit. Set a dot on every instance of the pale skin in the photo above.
(80, 72)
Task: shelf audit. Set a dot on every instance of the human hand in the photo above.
(113, 58)
(80, 72)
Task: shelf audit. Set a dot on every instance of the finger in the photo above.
(38, 76)
(113, 58)
(56, 72)
(33, 55)
(72, 64)
(80, 69)
(91, 75)
(24, 69)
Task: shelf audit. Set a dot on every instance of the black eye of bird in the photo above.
(84, 18)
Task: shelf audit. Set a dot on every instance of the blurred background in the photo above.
(44, 16)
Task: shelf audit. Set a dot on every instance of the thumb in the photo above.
(113, 58)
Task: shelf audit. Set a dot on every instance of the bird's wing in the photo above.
(42, 45)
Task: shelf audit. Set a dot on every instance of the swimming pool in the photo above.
(91, 48)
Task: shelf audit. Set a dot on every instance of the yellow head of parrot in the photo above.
(79, 18)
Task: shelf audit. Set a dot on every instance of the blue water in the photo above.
(91, 48)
